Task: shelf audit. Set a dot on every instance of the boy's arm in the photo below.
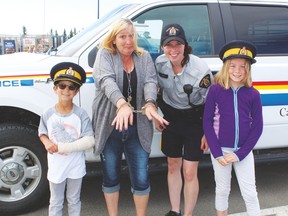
(81, 144)
(49, 145)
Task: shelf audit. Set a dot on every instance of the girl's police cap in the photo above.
(68, 71)
(238, 49)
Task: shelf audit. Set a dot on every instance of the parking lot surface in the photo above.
(271, 184)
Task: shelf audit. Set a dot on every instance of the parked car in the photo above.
(26, 88)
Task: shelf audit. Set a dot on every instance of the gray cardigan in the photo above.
(108, 77)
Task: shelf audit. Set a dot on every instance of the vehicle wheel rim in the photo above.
(20, 173)
(12, 173)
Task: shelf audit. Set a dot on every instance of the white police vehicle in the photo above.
(26, 90)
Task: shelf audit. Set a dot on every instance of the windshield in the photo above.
(71, 46)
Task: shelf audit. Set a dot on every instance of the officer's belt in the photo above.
(194, 112)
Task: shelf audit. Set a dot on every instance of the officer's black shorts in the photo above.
(183, 139)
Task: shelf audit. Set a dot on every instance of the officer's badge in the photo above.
(172, 31)
(243, 51)
(205, 82)
(70, 71)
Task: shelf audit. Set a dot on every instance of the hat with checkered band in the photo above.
(238, 49)
(68, 71)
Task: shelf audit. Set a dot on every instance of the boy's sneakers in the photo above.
(173, 213)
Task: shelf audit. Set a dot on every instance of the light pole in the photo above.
(98, 8)
(44, 17)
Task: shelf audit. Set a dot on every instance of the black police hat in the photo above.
(238, 49)
(172, 32)
(68, 71)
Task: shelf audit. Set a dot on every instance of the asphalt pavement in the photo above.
(272, 185)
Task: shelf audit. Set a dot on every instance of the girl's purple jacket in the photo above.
(232, 119)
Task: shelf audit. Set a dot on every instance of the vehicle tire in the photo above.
(23, 170)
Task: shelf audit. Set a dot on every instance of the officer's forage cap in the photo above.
(238, 49)
(68, 71)
(172, 32)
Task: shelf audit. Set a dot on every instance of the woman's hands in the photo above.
(124, 115)
(204, 144)
(151, 112)
(160, 127)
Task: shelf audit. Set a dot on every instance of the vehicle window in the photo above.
(193, 18)
(266, 27)
(74, 44)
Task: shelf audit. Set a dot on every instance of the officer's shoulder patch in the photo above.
(205, 82)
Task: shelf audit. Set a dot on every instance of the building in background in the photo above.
(29, 43)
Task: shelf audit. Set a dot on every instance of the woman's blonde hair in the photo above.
(222, 77)
(117, 27)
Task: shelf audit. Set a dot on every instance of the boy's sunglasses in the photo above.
(70, 87)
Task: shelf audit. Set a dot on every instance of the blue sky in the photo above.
(40, 16)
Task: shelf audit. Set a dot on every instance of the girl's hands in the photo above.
(230, 158)
(227, 159)
(222, 161)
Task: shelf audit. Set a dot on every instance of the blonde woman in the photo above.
(123, 110)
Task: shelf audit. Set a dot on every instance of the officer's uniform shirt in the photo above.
(196, 73)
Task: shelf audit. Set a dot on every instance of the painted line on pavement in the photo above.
(278, 211)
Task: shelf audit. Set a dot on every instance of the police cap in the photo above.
(238, 49)
(172, 32)
(68, 71)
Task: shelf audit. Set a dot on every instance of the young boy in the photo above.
(66, 131)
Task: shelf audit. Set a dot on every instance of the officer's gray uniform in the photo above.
(194, 72)
(185, 128)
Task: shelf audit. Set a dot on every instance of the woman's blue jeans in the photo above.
(126, 142)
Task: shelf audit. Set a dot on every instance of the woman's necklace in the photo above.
(128, 68)
(129, 89)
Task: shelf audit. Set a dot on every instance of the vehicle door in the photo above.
(201, 23)
(266, 26)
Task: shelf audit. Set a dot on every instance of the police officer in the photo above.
(184, 80)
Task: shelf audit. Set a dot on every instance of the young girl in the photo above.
(232, 125)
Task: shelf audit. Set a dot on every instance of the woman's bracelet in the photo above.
(122, 105)
(153, 103)
(149, 102)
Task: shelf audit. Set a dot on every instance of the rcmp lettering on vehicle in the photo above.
(16, 83)
(284, 112)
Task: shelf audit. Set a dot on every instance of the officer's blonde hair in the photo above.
(117, 27)
(222, 77)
